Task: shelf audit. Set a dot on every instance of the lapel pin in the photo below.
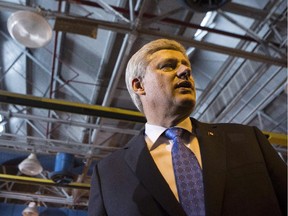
(210, 133)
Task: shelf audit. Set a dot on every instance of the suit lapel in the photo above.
(213, 154)
(143, 165)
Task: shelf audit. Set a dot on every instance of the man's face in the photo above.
(168, 81)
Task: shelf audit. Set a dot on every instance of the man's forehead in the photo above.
(169, 54)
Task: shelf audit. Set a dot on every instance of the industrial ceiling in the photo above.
(70, 96)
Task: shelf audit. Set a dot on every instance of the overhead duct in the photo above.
(204, 5)
(62, 171)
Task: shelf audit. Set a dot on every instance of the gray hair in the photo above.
(137, 64)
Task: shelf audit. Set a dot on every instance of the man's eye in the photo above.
(167, 67)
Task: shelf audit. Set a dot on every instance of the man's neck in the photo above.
(165, 121)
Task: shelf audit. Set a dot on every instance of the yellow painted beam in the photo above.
(276, 138)
(39, 181)
(71, 107)
(95, 110)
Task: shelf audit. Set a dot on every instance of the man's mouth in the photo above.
(184, 84)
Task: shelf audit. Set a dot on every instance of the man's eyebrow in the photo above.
(174, 59)
(186, 62)
(170, 59)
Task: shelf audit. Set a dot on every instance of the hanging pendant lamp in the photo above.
(29, 29)
(30, 166)
(31, 210)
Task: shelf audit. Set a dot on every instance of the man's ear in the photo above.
(138, 86)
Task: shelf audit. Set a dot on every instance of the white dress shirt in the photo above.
(160, 150)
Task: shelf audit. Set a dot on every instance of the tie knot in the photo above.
(174, 132)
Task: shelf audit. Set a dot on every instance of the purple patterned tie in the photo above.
(188, 174)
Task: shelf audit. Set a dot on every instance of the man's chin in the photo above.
(187, 104)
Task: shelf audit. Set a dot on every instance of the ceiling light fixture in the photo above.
(31, 210)
(30, 166)
(29, 29)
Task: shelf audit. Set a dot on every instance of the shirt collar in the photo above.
(153, 132)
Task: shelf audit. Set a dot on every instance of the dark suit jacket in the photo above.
(242, 173)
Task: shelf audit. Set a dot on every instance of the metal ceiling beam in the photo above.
(71, 107)
(243, 10)
(52, 146)
(276, 138)
(182, 23)
(111, 129)
(126, 28)
(231, 7)
(87, 109)
(147, 33)
(39, 181)
(265, 101)
(216, 48)
(244, 89)
(75, 93)
(42, 198)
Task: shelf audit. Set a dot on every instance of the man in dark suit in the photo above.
(240, 172)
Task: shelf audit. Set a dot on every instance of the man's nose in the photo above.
(184, 72)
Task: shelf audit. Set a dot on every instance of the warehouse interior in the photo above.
(63, 93)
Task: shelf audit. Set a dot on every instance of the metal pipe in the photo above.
(131, 11)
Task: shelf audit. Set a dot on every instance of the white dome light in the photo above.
(31, 210)
(29, 29)
(30, 166)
